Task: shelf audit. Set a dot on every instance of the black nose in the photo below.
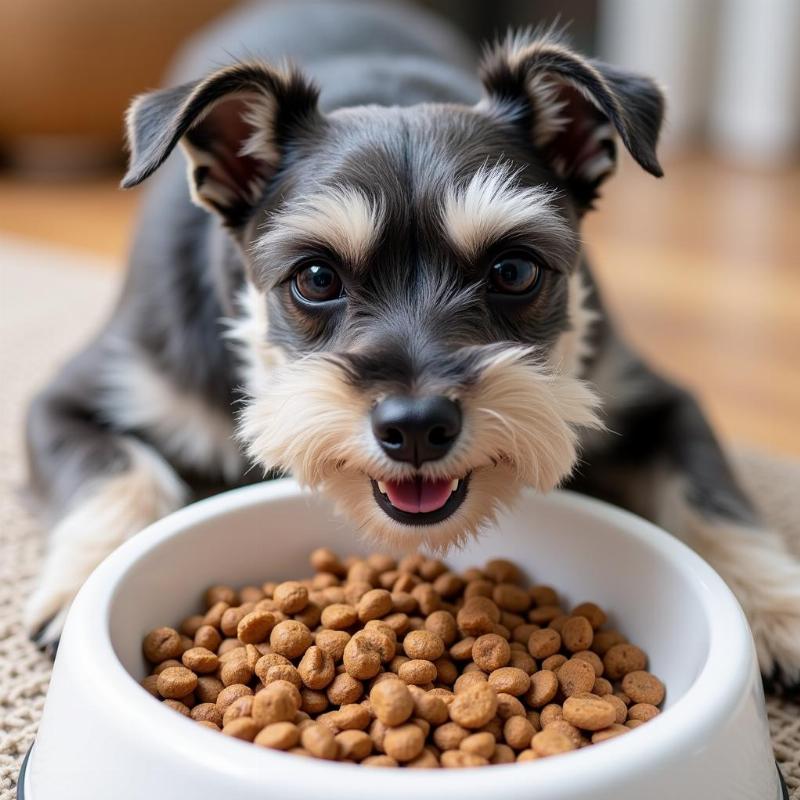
(416, 429)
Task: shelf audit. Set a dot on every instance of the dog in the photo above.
(367, 272)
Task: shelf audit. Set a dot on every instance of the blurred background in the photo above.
(700, 268)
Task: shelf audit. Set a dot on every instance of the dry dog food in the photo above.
(388, 664)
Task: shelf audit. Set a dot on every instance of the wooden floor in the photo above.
(701, 269)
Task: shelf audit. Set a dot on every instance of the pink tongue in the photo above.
(419, 496)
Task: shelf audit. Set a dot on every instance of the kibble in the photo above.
(403, 664)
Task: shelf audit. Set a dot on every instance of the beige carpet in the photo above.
(50, 301)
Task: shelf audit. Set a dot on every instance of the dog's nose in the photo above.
(416, 429)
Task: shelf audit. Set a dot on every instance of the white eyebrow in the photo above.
(344, 218)
(492, 205)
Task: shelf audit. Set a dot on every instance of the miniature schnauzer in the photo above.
(371, 277)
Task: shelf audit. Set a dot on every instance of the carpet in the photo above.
(50, 302)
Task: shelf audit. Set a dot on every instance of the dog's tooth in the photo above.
(454, 484)
(382, 487)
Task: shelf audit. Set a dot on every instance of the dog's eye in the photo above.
(318, 282)
(515, 273)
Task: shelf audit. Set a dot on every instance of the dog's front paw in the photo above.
(765, 577)
(774, 616)
(64, 572)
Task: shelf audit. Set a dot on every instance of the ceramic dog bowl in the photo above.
(103, 737)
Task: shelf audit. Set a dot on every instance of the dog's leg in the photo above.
(102, 486)
(669, 467)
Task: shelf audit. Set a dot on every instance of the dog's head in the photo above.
(414, 312)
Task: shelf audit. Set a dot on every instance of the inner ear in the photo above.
(580, 145)
(572, 108)
(231, 154)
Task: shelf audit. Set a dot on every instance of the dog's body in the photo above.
(144, 419)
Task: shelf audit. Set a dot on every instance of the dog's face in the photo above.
(414, 314)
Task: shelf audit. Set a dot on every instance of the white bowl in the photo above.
(103, 737)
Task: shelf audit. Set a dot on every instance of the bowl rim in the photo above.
(723, 682)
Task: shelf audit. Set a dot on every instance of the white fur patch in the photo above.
(343, 217)
(572, 347)
(136, 396)
(492, 205)
(248, 333)
(521, 427)
(755, 563)
(106, 514)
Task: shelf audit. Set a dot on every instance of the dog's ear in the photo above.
(572, 107)
(233, 126)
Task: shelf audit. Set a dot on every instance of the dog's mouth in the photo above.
(420, 501)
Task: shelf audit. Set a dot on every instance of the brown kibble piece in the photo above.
(620, 659)
(162, 644)
(391, 702)
(332, 642)
(241, 707)
(278, 736)
(575, 676)
(479, 744)
(339, 616)
(207, 636)
(490, 652)
(554, 663)
(457, 759)
(592, 658)
(643, 687)
(474, 707)
(291, 597)
(443, 624)
(604, 640)
(544, 642)
(423, 644)
(319, 741)
(477, 616)
(620, 709)
(200, 660)
(207, 712)
(361, 660)
(355, 745)
(375, 604)
(589, 713)
(577, 634)
(518, 732)
(544, 685)
(176, 682)
(551, 742)
(316, 669)
(244, 728)
(278, 702)
(229, 694)
(290, 638)
(642, 712)
(176, 705)
(596, 616)
(609, 733)
(511, 597)
(345, 689)
(510, 680)
(417, 671)
(255, 626)
(324, 560)
(404, 742)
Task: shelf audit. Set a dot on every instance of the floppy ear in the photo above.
(233, 127)
(572, 108)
